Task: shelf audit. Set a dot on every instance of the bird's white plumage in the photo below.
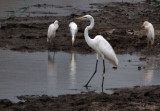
(99, 44)
(52, 31)
(103, 48)
(150, 30)
(73, 28)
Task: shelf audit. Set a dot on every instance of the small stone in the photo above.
(139, 67)
(114, 67)
(129, 60)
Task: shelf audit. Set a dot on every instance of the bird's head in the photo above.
(71, 24)
(145, 24)
(86, 17)
(56, 22)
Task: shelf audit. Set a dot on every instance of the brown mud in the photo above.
(127, 99)
(119, 23)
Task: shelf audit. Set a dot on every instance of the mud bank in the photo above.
(119, 23)
(137, 98)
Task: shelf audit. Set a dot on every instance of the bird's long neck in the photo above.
(87, 38)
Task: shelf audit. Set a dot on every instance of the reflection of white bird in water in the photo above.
(149, 32)
(73, 66)
(52, 72)
(101, 46)
(126, 1)
(52, 31)
(73, 30)
(149, 71)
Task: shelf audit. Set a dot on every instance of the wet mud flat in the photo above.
(119, 23)
(137, 98)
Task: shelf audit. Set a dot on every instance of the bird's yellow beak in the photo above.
(73, 41)
(79, 18)
(142, 25)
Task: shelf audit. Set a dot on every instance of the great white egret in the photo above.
(101, 46)
(149, 32)
(73, 30)
(52, 31)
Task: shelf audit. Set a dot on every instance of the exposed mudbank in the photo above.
(119, 23)
(137, 98)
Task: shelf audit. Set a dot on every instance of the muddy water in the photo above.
(63, 73)
(14, 8)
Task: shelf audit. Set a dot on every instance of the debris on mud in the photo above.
(138, 98)
(119, 23)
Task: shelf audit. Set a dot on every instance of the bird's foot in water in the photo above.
(103, 75)
(86, 86)
(102, 92)
(114, 67)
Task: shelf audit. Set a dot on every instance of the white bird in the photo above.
(73, 30)
(149, 32)
(52, 31)
(101, 46)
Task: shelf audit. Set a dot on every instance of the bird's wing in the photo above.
(49, 31)
(153, 33)
(106, 49)
(73, 28)
(73, 31)
(56, 26)
(52, 29)
(150, 31)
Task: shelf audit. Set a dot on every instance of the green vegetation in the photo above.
(157, 3)
(18, 12)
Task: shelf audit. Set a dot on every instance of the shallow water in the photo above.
(14, 8)
(23, 73)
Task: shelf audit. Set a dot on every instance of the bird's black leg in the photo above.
(48, 43)
(54, 43)
(103, 74)
(92, 75)
(53, 55)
